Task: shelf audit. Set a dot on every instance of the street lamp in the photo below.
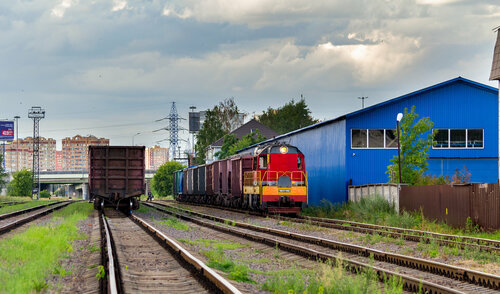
(133, 137)
(398, 119)
(17, 142)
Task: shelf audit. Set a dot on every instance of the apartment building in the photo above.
(24, 153)
(59, 161)
(75, 151)
(155, 157)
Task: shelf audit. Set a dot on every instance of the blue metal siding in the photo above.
(324, 150)
(456, 105)
(483, 170)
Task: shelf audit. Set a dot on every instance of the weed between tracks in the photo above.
(17, 207)
(28, 258)
(329, 277)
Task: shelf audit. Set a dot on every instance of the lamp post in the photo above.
(17, 142)
(398, 119)
(133, 137)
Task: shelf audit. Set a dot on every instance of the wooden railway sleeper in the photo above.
(393, 258)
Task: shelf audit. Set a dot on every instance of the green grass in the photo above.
(236, 271)
(28, 258)
(223, 244)
(328, 278)
(174, 222)
(14, 198)
(378, 211)
(16, 207)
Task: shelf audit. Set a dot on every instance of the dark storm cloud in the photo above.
(94, 64)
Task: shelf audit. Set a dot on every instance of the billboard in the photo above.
(7, 130)
(194, 121)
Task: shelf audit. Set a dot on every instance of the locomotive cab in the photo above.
(278, 180)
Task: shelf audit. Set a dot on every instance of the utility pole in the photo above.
(17, 142)
(36, 113)
(363, 101)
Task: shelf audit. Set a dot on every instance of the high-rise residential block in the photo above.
(75, 151)
(23, 153)
(155, 157)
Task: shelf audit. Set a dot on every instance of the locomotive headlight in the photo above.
(283, 149)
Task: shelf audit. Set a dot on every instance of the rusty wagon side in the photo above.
(116, 176)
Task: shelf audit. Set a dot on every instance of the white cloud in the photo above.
(60, 9)
(119, 5)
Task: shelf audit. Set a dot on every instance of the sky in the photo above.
(112, 68)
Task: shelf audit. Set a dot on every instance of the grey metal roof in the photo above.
(247, 128)
(495, 67)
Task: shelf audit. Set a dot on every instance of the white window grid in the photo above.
(368, 140)
(466, 139)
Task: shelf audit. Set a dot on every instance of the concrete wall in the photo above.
(390, 192)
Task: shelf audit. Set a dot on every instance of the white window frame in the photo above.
(466, 139)
(368, 139)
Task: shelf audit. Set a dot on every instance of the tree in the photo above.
(162, 181)
(3, 174)
(218, 121)
(232, 144)
(21, 184)
(290, 117)
(416, 138)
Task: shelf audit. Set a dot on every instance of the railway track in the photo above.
(461, 242)
(433, 277)
(10, 221)
(142, 259)
(11, 203)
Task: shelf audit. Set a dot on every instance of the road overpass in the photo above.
(75, 181)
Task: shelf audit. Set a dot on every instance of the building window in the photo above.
(459, 138)
(374, 138)
(358, 139)
(441, 139)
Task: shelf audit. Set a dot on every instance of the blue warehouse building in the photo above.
(356, 148)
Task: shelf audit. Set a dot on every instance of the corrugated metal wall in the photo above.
(455, 105)
(324, 150)
(454, 204)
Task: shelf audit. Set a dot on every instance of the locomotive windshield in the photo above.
(291, 149)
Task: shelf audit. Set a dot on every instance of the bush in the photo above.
(44, 194)
(21, 184)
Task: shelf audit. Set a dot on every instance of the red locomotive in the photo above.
(272, 179)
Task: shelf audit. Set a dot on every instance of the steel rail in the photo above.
(218, 281)
(484, 243)
(15, 213)
(2, 204)
(470, 276)
(112, 273)
(487, 245)
(12, 225)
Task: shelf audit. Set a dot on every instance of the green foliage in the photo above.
(44, 194)
(28, 258)
(328, 277)
(173, 222)
(219, 121)
(21, 184)
(415, 138)
(291, 116)
(232, 144)
(3, 174)
(426, 180)
(101, 273)
(162, 181)
(17, 207)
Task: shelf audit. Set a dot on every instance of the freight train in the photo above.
(116, 176)
(272, 179)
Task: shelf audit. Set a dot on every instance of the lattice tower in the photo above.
(36, 113)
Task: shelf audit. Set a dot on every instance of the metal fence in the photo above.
(454, 204)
